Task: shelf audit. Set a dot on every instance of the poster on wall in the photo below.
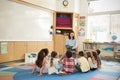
(4, 48)
(82, 21)
(81, 32)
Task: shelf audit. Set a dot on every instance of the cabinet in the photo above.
(107, 49)
(59, 43)
(64, 24)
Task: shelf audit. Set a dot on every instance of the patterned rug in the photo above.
(21, 71)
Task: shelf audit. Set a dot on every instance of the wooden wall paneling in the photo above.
(10, 55)
(19, 50)
(50, 45)
(40, 45)
(45, 44)
(31, 46)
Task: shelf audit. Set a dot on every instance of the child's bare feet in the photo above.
(62, 73)
(31, 72)
(40, 74)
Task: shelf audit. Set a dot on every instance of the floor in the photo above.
(21, 71)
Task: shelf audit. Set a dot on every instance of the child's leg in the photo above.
(33, 69)
(78, 67)
(60, 67)
(41, 69)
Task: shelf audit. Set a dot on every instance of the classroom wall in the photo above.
(11, 13)
(61, 8)
(18, 49)
(73, 6)
(83, 7)
(77, 6)
(83, 12)
(50, 4)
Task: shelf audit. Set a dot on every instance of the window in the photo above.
(115, 26)
(100, 28)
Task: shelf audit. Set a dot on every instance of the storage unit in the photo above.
(107, 49)
(64, 24)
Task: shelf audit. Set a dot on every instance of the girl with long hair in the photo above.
(40, 62)
(92, 60)
(53, 63)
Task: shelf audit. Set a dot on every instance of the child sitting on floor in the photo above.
(68, 63)
(98, 57)
(83, 65)
(91, 60)
(53, 63)
(39, 65)
(94, 53)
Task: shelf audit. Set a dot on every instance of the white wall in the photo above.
(83, 12)
(50, 4)
(105, 5)
(83, 7)
(73, 6)
(77, 6)
(61, 8)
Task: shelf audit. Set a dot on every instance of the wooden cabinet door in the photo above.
(64, 42)
(59, 44)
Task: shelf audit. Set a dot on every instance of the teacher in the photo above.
(71, 43)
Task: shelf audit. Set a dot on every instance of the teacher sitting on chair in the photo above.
(71, 43)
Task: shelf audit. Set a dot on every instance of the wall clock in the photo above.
(65, 3)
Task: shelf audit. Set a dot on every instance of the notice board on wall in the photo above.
(22, 23)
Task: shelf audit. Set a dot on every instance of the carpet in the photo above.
(2, 66)
(5, 73)
(104, 77)
(1, 69)
(76, 76)
(25, 67)
(6, 78)
(108, 71)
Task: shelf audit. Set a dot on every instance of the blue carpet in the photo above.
(3, 66)
(24, 75)
(14, 70)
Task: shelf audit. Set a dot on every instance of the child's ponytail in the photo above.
(51, 62)
(53, 55)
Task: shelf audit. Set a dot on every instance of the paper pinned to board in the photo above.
(4, 48)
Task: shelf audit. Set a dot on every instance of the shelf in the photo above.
(63, 28)
(64, 23)
(117, 58)
(64, 20)
(107, 49)
(117, 51)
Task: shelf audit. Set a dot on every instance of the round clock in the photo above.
(65, 3)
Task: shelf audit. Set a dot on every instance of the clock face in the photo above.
(65, 3)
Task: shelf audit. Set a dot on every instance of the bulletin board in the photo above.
(22, 23)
